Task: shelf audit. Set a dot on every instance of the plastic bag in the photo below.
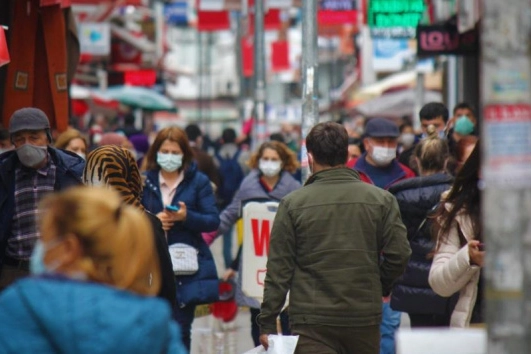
(278, 344)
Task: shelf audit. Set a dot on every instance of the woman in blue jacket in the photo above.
(173, 180)
(269, 180)
(95, 273)
(416, 198)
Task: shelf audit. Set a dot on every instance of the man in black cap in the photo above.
(378, 165)
(27, 174)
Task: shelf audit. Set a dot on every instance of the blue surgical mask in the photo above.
(37, 265)
(170, 162)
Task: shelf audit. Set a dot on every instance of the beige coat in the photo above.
(451, 272)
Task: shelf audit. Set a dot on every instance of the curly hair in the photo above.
(288, 157)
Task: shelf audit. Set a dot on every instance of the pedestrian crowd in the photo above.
(105, 240)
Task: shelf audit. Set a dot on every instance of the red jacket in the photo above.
(400, 172)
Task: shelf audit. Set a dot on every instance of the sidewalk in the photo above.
(212, 336)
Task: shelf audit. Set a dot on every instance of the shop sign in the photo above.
(394, 18)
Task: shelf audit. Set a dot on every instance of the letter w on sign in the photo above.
(260, 236)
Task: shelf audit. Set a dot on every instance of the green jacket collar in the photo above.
(334, 174)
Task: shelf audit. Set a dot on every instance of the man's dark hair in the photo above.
(464, 105)
(193, 132)
(434, 110)
(228, 136)
(403, 126)
(328, 144)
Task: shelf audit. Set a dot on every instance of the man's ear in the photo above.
(366, 143)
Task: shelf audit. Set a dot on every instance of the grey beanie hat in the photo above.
(29, 118)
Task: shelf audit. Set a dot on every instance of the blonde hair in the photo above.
(66, 137)
(288, 157)
(116, 238)
(433, 152)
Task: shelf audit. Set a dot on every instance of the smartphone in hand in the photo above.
(481, 247)
(172, 208)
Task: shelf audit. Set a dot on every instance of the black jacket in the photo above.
(167, 286)
(69, 170)
(416, 198)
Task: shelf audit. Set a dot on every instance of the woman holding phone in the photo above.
(182, 198)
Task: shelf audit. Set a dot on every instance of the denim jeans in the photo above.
(184, 317)
(388, 327)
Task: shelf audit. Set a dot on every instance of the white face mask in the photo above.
(407, 139)
(82, 155)
(269, 168)
(169, 162)
(383, 156)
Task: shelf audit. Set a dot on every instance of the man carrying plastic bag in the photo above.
(326, 244)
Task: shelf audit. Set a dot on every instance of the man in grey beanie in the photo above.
(27, 173)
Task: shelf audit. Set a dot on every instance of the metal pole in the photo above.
(259, 127)
(505, 129)
(159, 30)
(241, 31)
(310, 108)
(419, 100)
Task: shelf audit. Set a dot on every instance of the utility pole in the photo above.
(310, 108)
(260, 125)
(506, 147)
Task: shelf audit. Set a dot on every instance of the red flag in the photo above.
(210, 21)
(280, 56)
(247, 57)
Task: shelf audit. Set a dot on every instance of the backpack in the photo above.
(231, 175)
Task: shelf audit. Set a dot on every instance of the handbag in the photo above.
(183, 259)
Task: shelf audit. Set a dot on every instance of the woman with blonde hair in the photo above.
(95, 272)
(269, 180)
(182, 198)
(417, 197)
(72, 140)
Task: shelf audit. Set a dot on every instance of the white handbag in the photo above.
(183, 259)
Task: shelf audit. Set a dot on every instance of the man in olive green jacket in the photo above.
(337, 245)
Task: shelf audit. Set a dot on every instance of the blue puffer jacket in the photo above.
(416, 198)
(202, 216)
(69, 171)
(58, 315)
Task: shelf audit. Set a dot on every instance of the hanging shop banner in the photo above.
(176, 13)
(337, 12)
(95, 38)
(395, 18)
(211, 21)
(257, 224)
(247, 56)
(272, 21)
(280, 56)
(445, 39)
